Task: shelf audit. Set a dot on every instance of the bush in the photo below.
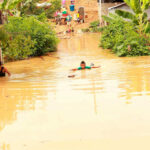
(86, 30)
(18, 48)
(42, 17)
(121, 37)
(94, 26)
(41, 34)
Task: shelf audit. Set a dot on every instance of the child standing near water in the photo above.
(3, 71)
(83, 66)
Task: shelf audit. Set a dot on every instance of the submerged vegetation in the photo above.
(93, 27)
(128, 38)
(27, 35)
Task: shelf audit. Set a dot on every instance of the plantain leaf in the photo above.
(107, 19)
(126, 14)
(147, 28)
(14, 4)
(4, 4)
(135, 5)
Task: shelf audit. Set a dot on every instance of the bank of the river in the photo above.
(105, 108)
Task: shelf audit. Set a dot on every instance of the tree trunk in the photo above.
(1, 57)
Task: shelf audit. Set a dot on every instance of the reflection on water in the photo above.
(41, 108)
(5, 147)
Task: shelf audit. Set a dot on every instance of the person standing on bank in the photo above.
(3, 71)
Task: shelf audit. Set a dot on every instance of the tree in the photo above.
(139, 16)
(7, 6)
(3, 38)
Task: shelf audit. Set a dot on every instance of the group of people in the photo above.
(63, 17)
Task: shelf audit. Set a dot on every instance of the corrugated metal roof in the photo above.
(117, 6)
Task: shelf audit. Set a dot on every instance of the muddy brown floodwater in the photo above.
(99, 109)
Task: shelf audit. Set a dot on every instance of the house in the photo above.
(105, 4)
(124, 6)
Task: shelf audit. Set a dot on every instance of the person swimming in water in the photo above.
(3, 71)
(83, 66)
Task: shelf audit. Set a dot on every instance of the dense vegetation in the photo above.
(128, 38)
(27, 35)
(30, 8)
(94, 27)
(121, 37)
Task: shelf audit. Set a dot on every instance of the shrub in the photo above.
(121, 37)
(18, 48)
(42, 17)
(86, 30)
(41, 34)
(94, 26)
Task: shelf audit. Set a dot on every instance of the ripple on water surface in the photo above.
(41, 108)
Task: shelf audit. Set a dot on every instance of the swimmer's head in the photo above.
(83, 64)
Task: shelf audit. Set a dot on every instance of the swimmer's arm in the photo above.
(9, 74)
(96, 67)
(74, 69)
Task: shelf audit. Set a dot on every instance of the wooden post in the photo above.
(100, 11)
(1, 57)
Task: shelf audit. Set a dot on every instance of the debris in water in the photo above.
(71, 76)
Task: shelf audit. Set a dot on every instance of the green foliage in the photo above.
(126, 14)
(9, 4)
(139, 17)
(18, 48)
(42, 17)
(94, 27)
(41, 34)
(121, 37)
(56, 5)
(135, 5)
(86, 30)
(29, 8)
(3, 35)
(94, 24)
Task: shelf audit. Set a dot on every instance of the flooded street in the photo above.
(100, 109)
